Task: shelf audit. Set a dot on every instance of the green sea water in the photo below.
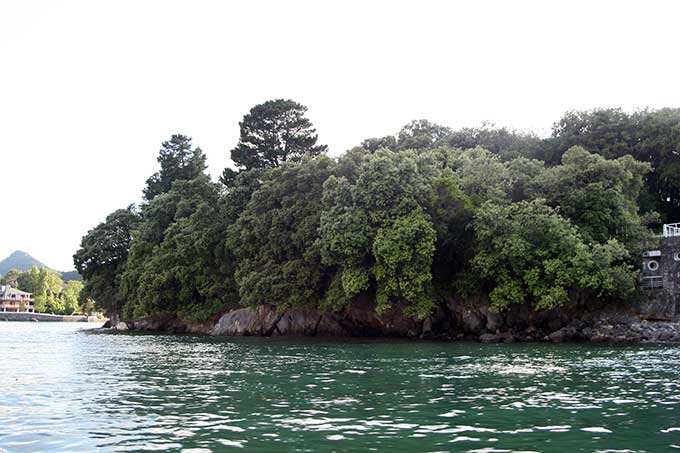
(63, 388)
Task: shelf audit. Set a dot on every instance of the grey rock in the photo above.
(564, 334)
(260, 320)
(490, 338)
(494, 321)
(471, 320)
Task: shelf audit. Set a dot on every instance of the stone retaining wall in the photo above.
(44, 317)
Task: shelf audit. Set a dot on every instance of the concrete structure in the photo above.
(14, 300)
(44, 317)
(660, 276)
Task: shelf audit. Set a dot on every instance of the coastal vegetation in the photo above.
(410, 219)
(52, 294)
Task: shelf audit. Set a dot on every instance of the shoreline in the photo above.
(455, 322)
(46, 317)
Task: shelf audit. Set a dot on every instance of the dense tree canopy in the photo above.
(170, 264)
(377, 227)
(274, 239)
(408, 220)
(417, 135)
(507, 144)
(102, 257)
(651, 136)
(596, 194)
(532, 254)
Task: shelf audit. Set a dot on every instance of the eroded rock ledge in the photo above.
(457, 320)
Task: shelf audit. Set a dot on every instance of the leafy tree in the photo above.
(46, 287)
(11, 278)
(70, 295)
(597, 195)
(658, 143)
(102, 257)
(374, 144)
(451, 211)
(376, 227)
(86, 305)
(273, 133)
(524, 177)
(532, 255)
(275, 237)
(403, 252)
(651, 136)
(240, 190)
(419, 135)
(407, 219)
(482, 175)
(609, 132)
(175, 260)
(507, 144)
(179, 161)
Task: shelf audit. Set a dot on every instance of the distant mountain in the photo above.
(20, 261)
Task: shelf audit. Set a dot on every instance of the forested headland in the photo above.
(410, 220)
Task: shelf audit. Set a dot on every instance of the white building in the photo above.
(14, 300)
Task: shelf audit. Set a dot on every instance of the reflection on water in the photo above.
(65, 389)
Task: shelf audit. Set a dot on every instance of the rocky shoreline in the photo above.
(457, 320)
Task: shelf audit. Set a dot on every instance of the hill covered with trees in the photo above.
(408, 220)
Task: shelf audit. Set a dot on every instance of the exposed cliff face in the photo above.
(458, 319)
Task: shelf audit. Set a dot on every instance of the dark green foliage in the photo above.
(532, 254)
(597, 195)
(102, 257)
(507, 144)
(651, 136)
(403, 252)
(451, 211)
(419, 135)
(374, 144)
(274, 133)
(376, 227)
(609, 132)
(274, 239)
(176, 261)
(178, 162)
(482, 175)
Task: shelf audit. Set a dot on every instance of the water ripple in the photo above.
(68, 390)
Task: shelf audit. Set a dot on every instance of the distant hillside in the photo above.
(20, 261)
(71, 275)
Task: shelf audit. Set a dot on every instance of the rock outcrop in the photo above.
(469, 319)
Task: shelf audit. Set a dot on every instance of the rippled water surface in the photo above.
(66, 389)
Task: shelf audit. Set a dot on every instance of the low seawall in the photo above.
(44, 317)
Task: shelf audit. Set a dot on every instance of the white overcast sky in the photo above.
(89, 89)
